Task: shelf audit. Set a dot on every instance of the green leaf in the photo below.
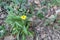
(25, 30)
(14, 31)
(18, 24)
(23, 37)
(30, 33)
(40, 15)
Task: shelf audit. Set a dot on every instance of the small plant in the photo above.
(19, 25)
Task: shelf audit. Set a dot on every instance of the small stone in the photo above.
(9, 38)
(37, 2)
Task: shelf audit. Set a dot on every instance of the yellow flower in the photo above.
(23, 17)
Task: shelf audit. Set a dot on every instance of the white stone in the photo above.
(57, 11)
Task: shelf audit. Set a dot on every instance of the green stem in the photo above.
(18, 36)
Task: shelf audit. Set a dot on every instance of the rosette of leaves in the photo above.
(19, 27)
(2, 31)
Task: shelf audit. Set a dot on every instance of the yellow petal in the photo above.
(23, 17)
